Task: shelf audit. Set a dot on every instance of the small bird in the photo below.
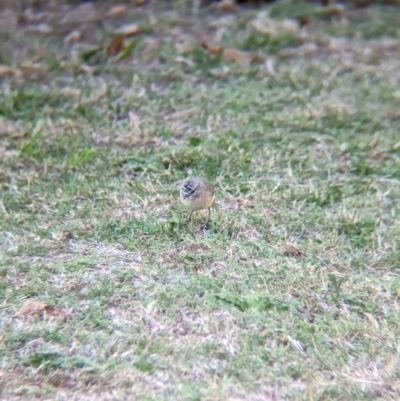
(196, 194)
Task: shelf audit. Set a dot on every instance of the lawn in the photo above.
(108, 293)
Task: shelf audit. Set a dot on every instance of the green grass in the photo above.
(291, 292)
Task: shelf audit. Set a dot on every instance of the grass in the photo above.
(291, 293)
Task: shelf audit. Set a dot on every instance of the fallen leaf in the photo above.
(127, 30)
(117, 10)
(53, 311)
(242, 57)
(292, 249)
(127, 50)
(73, 36)
(211, 48)
(30, 308)
(115, 46)
(6, 70)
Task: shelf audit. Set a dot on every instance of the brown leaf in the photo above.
(30, 308)
(292, 249)
(53, 311)
(115, 46)
(127, 30)
(211, 48)
(231, 54)
(117, 10)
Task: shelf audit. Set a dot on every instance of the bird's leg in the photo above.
(209, 214)
(190, 215)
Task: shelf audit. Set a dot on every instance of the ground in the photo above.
(291, 293)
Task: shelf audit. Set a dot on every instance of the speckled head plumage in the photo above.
(197, 193)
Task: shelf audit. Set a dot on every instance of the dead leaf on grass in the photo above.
(127, 30)
(228, 53)
(211, 48)
(54, 311)
(32, 307)
(128, 49)
(115, 46)
(291, 249)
